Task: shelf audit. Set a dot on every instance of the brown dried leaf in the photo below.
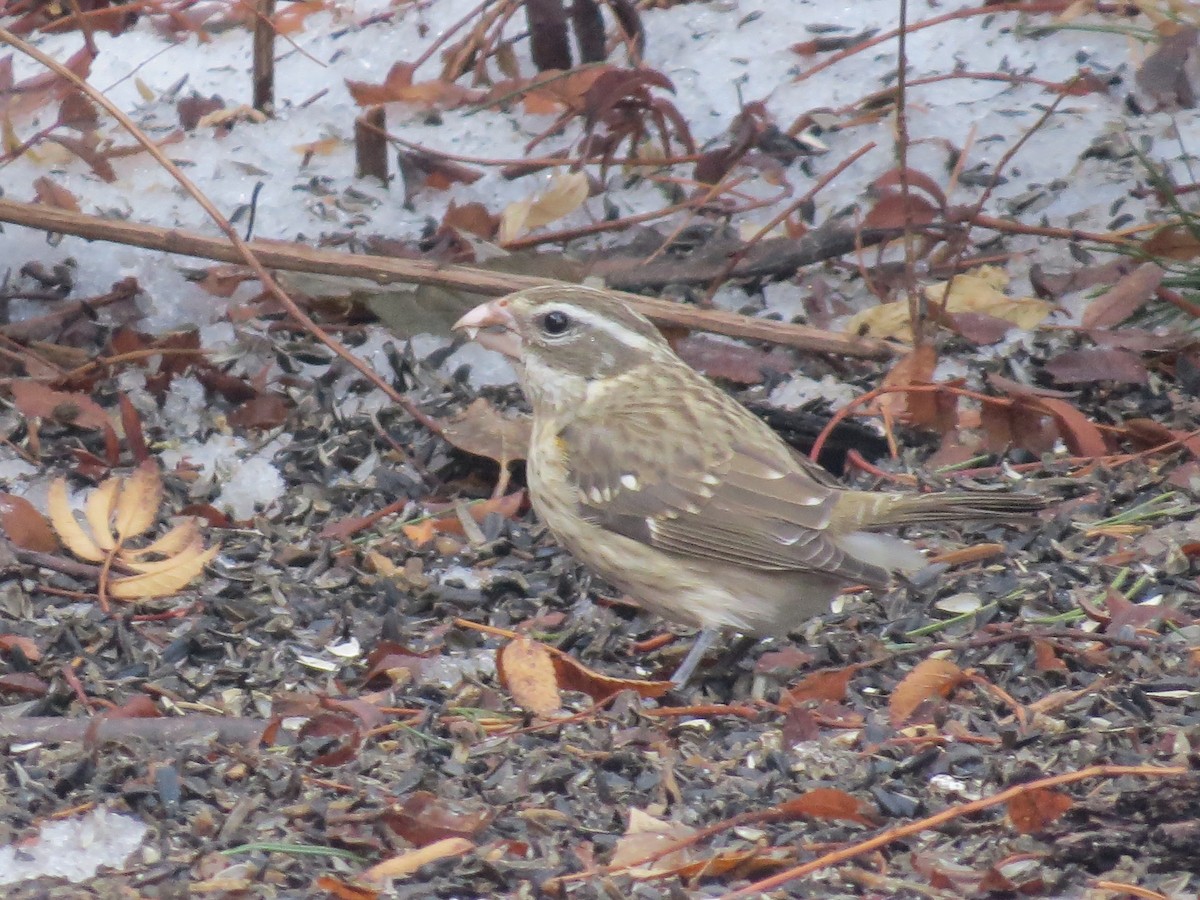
(423, 818)
(25, 526)
(1124, 298)
(1096, 364)
(646, 835)
(34, 400)
(1173, 242)
(929, 678)
(1046, 659)
(526, 669)
(473, 218)
(1033, 810)
(482, 430)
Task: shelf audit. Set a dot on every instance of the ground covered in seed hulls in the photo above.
(323, 696)
(388, 729)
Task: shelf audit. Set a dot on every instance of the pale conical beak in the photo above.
(495, 316)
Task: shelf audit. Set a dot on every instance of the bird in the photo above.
(663, 484)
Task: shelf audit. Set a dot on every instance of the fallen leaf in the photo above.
(929, 678)
(565, 194)
(1095, 364)
(1033, 810)
(423, 818)
(25, 526)
(482, 430)
(1124, 298)
(980, 290)
(407, 863)
(526, 669)
(820, 686)
(829, 804)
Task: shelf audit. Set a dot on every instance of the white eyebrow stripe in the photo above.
(613, 329)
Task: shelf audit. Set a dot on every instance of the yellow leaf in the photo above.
(187, 566)
(183, 557)
(980, 290)
(565, 194)
(62, 517)
(98, 511)
(137, 506)
(174, 541)
(144, 90)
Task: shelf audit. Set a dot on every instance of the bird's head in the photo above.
(565, 338)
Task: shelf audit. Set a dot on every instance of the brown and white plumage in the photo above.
(674, 492)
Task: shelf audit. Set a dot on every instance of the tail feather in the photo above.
(868, 509)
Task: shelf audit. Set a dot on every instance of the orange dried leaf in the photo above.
(407, 863)
(25, 526)
(575, 676)
(62, 517)
(26, 645)
(821, 686)
(1045, 659)
(525, 667)
(420, 533)
(929, 678)
(1033, 810)
(828, 804)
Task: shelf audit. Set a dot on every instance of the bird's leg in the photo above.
(704, 640)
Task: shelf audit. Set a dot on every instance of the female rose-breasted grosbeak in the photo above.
(673, 492)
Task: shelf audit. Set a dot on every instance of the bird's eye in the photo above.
(555, 322)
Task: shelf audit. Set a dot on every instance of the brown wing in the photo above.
(739, 496)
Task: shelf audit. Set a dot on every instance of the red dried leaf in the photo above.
(51, 194)
(1033, 810)
(930, 678)
(732, 362)
(473, 218)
